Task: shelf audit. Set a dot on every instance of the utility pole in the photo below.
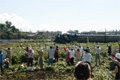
(105, 36)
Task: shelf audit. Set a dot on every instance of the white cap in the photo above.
(117, 55)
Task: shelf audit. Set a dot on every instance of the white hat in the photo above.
(117, 55)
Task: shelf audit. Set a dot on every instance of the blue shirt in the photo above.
(1, 56)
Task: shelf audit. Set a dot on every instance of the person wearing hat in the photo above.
(98, 49)
(117, 68)
(87, 58)
(1, 59)
(40, 57)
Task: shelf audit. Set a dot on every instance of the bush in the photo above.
(69, 69)
(23, 59)
(14, 59)
(50, 68)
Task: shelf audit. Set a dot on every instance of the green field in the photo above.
(59, 70)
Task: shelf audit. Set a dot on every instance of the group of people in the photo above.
(83, 68)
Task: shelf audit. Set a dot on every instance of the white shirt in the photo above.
(71, 54)
(81, 49)
(50, 52)
(87, 57)
(97, 50)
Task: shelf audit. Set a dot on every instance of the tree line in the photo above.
(9, 31)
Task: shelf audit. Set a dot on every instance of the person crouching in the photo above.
(6, 63)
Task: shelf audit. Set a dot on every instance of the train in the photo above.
(67, 38)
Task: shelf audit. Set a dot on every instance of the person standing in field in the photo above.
(117, 68)
(56, 54)
(78, 54)
(26, 50)
(1, 60)
(8, 54)
(30, 55)
(40, 57)
(50, 54)
(87, 58)
(72, 56)
(119, 47)
(81, 50)
(67, 55)
(109, 49)
(98, 49)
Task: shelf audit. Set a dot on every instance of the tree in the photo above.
(9, 31)
(8, 24)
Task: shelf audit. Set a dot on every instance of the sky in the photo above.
(61, 15)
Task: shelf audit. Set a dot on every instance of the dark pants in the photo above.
(68, 63)
(90, 65)
(56, 58)
(30, 61)
(50, 61)
(41, 62)
(109, 53)
(6, 65)
(1, 67)
(72, 61)
(119, 49)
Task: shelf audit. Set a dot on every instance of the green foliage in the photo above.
(100, 72)
(50, 68)
(9, 31)
(69, 69)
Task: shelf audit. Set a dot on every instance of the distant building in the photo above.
(30, 34)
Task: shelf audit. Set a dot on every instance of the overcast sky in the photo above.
(62, 15)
